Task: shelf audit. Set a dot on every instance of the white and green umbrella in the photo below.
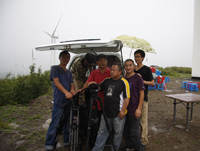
(135, 43)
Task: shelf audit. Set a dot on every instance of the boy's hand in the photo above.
(91, 82)
(139, 74)
(121, 114)
(73, 92)
(80, 91)
(68, 95)
(138, 113)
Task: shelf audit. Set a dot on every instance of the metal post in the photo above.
(174, 120)
(191, 112)
(121, 45)
(73, 131)
(188, 107)
(89, 123)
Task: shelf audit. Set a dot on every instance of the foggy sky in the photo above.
(166, 24)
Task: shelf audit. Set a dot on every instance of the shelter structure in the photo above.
(196, 41)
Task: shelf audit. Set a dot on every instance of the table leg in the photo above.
(191, 112)
(174, 120)
(188, 107)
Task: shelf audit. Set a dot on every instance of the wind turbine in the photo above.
(33, 58)
(24, 68)
(15, 70)
(53, 40)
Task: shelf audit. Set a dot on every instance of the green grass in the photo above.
(24, 118)
(24, 130)
(10, 113)
(23, 123)
(11, 119)
(157, 142)
(4, 125)
(10, 142)
(22, 148)
(5, 115)
(35, 117)
(175, 133)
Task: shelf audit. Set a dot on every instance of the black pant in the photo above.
(131, 133)
(96, 114)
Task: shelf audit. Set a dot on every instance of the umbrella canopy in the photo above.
(135, 43)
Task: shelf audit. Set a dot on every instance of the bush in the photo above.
(23, 89)
(7, 91)
(174, 71)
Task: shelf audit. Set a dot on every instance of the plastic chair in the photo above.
(198, 84)
(188, 84)
(152, 69)
(184, 84)
(158, 72)
(152, 87)
(194, 87)
(166, 79)
(161, 83)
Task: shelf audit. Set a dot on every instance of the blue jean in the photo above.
(103, 133)
(57, 114)
(131, 133)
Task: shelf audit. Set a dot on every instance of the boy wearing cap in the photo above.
(98, 76)
(79, 69)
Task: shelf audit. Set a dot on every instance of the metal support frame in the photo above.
(94, 97)
(74, 127)
(187, 116)
(187, 112)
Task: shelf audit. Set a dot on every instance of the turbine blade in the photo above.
(32, 53)
(47, 33)
(57, 26)
(33, 57)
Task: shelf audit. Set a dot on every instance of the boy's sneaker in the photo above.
(128, 149)
(142, 147)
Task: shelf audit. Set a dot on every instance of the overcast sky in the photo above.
(166, 24)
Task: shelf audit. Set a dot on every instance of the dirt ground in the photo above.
(29, 130)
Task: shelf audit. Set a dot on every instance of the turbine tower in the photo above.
(15, 70)
(53, 40)
(33, 58)
(24, 68)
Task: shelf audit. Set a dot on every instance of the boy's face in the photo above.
(64, 59)
(102, 63)
(129, 66)
(138, 58)
(115, 72)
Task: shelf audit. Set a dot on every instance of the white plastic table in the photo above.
(188, 98)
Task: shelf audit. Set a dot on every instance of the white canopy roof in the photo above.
(84, 46)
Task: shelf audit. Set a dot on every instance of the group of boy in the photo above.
(117, 93)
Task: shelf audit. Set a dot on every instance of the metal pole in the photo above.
(122, 59)
(188, 107)
(174, 120)
(191, 112)
(89, 123)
